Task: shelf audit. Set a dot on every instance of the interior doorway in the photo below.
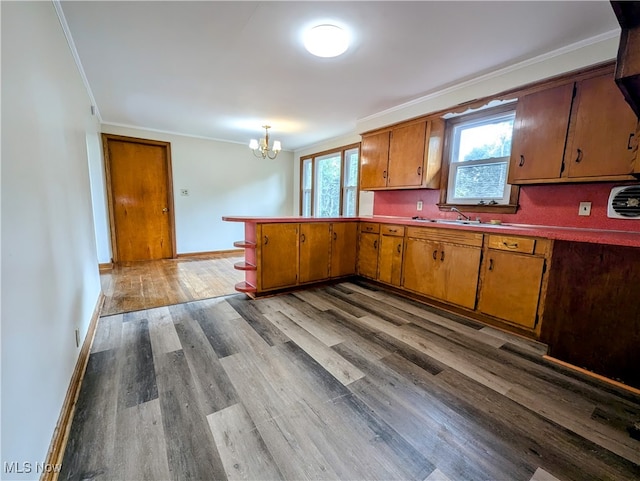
(140, 197)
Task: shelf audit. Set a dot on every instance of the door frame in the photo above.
(110, 200)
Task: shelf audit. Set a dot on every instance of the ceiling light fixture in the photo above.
(261, 149)
(326, 41)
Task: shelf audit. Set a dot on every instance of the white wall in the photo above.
(222, 178)
(50, 281)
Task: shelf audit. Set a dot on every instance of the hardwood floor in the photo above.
(339, 382)
(132, 286)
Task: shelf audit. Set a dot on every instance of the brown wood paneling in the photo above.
(140, 192)
(592, 313)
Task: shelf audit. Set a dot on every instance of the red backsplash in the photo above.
(555, 205)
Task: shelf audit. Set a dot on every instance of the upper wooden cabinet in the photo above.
(576, 132)
(406, 156)
(628, 64)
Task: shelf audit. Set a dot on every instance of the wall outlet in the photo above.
(419, 205)
(184, 192)
(584, 209)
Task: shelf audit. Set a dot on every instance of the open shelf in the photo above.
(244, 266)
(246, 287)
(245, 244)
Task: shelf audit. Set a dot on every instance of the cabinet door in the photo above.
(539, 134)
(279, 255)
(421, 271)
(603, 124)
(374, 158)
(344, 237)
(368, 255)
(390, 259)
(406, 155)
(511, 287)
(315, 251)
(460, 274)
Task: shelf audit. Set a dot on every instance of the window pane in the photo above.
(485, 181)
(306, 203)
(351, 167)
(327, 186)
(484, 140)
(349, 201)
(306, 174)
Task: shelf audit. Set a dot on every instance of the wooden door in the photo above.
(421, 263)
(278, 256)
(344, 237)
(368, 255)
(315, 251)
(600, 140)
(374, 160)
(510, 287)
(390, 259)
(406, 155)
(460, 274)
(539, 134)
(139, 188)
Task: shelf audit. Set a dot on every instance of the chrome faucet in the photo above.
(460, 214)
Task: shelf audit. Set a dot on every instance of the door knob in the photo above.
(165, 209)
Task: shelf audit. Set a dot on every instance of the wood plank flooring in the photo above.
(344, 382)
(132, 286)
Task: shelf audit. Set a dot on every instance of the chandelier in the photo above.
(261, 149)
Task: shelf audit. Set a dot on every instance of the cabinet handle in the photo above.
(521, 160)
(375, 244)
(579, 157)
(303, 238)
(490, 264)
(384, 174)
(393, 230)
(435, 254)
(629, 141)
(266, 240)
(442, 256)
(510, 246)
(399, 248)
(420, 170)
(335, 236)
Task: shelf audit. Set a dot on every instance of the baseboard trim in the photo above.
(61, 433)
(213, 254)
(593, 375)
(107, 266)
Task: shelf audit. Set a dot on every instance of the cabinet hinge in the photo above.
(544, 266)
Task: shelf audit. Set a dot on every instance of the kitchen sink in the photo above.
(448, 221)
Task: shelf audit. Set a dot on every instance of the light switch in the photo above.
(419, 205)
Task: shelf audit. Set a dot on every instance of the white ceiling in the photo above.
(223, 69)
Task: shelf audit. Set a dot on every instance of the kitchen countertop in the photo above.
(596, 236)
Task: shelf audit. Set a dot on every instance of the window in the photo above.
(329, 183)
(480, 148)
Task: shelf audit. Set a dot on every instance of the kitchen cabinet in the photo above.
(576, 132)
(443, 264)
(344, 237)
(512, 279)
(405, 156)
(390, 256)
(315, 251)
(628, 62)
(277, 255)
(368, 250)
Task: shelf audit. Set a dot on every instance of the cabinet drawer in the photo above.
(452, 236)
(370, 227)
(395, 230)
(513, 244)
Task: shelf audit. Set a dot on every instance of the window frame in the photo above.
(512, 193)
(312, 157)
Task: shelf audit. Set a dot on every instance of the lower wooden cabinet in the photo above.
(277, 255)
(344, 236)
(390, 256)
(512, 279)
(368, 241)
(445, 271)
(315, 251)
